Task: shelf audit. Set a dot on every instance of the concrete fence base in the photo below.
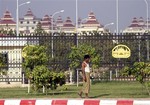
(75, 102)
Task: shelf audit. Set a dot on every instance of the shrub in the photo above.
(141, 71)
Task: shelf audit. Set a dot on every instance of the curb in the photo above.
(74, 102)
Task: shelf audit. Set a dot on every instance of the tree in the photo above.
(3, 64)
(34, 56)
(39, 29)
(141, 71)
(40, 77)
(11, 32)
(3, 32)
(77, 54)
(35, 65)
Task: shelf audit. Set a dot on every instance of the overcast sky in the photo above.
(105, 10)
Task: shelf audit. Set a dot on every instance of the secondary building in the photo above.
(90, 24)
(7, 22)
(28, 23)
(137, 26)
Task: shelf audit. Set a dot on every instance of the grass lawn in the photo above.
(98, 90)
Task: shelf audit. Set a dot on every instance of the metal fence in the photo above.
(62, 43)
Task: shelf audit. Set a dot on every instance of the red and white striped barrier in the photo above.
(75, 102)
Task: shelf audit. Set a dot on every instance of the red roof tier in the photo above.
(134, 23)
(7, 18)
(46, 21)
(46, 24)
(59, 20)
(68, 23)
(7, 22)
(141, 19)
(91, 20)
(29, 13)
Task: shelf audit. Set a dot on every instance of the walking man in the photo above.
(86, 77)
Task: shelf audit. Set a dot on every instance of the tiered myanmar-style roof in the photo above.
(7, 18)
(29, 13)
(68, 23)
(141, 22)
(46, 21)
(59, 20)
(29, 16)
(134, 23)
(91, 21)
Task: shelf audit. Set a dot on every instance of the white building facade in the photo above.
(138, 26)
(28, 23)
(7, 22)
(90, 24)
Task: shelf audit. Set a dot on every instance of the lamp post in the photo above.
(52, 44)
(77, 22)
(107, 25)
(147, 15)
(117, 16)
(117, 29)
(139, 47)
(83, 20)
(17, 14)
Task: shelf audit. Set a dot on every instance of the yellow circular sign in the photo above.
(121, 51)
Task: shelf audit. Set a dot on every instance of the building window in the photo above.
(27, 22)
(32, 27)
(21, 22)
(34, 22)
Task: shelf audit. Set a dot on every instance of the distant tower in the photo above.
(7, 22)
(136, 26)
(29, 14)
(134, 23)
(68, 26)
(91, 21)
(28, 23)
(46, 23)
(141, 22)
(59, 22)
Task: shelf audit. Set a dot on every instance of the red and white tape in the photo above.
(75, 102)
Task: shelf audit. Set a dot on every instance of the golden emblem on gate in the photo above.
(121, 51)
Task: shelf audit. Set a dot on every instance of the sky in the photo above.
(105, 10)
